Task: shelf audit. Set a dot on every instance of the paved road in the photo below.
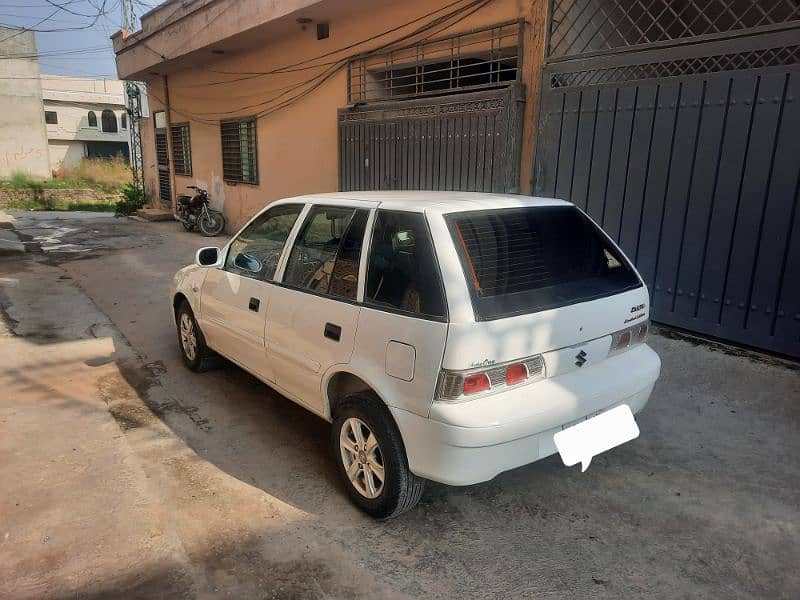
(123, 474)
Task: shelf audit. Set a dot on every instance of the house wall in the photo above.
(72, 98)
(66, 154)
(298, 145)
(23, 144)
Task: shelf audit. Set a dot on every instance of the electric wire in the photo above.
(315, 82)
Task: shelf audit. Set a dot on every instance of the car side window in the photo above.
(324, 258)
(256, 251)
(344, 279)
(402, 272)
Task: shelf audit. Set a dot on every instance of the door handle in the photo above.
(254, 304)
(333, 332)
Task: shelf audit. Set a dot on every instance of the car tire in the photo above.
(196, 354)
(400, 489)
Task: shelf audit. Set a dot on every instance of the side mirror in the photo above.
(208, 256)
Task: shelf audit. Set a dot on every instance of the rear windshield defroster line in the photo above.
(525, 260)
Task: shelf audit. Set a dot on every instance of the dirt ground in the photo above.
(122, 474)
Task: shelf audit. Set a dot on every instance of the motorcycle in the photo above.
(193, 211)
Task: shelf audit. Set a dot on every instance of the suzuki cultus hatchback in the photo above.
(447, 336)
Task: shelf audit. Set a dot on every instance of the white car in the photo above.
(447, 336)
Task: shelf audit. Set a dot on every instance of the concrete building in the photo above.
(49, 121)
(673, 123)
(23, 139)
(85, 118)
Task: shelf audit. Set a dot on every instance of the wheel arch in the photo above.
(339, 383)
(177, 300)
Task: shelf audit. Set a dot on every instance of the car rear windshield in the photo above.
(524, 260)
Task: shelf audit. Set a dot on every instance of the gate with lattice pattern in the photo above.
(676, 125)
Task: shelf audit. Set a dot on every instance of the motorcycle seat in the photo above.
(184, 199)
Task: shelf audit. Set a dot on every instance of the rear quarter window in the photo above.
(525, 260)
(402, 274)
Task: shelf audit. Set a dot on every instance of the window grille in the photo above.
(582, 26)
(239, 151)
(482, 59)
(181, 149)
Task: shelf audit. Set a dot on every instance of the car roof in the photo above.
(431, 202)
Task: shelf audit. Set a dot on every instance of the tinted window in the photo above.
(530, 259)
(325, 255)
(402, 271)
(344, 280)
(256, 251)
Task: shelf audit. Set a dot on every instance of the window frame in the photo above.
(106, 114)
(363, 263)
(186, 145)
(256, 171)
(277, 277)
(89, 116)
(358, 300)
(54, 114)
(365, 256)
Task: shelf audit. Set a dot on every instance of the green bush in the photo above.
(133, 198)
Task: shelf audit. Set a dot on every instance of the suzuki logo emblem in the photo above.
(580, 358)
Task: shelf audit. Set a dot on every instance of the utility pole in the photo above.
(133, 101)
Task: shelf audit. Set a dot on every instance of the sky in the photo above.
(85, 48)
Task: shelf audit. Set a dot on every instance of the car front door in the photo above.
(313, 315)
(235, 297)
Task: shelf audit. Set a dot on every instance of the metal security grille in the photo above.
(482, 59)
(581, 26)
(164, 187)
(467, 142)
(754, 59)
(239, 151)
(162, 164)
(181, 149)
(687, 153)
(162, 151)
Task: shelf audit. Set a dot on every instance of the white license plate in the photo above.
(581, 442)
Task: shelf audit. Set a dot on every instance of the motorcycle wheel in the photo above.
(211, 223)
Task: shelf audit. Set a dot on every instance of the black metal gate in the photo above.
(468, 142)
(676, 125)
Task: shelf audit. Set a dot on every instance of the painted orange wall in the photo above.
(297, 145)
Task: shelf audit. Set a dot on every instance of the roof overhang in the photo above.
(184, 33)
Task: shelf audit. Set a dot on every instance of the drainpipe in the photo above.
(167, 113)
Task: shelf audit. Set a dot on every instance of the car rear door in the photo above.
(402, 327)
(313, 314)
(235, 297)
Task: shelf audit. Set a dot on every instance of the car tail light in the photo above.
(476, 383)
(456, 386)
(624, 340)
(516, 373)
(627, 338)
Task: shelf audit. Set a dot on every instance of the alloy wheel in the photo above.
(361, 457)
(188, 337)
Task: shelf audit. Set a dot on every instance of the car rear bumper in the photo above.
(470, 442)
